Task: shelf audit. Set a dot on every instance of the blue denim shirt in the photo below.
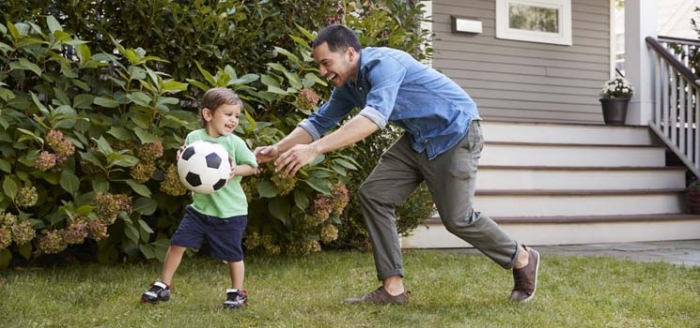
(391, 86)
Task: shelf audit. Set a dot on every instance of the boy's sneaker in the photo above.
(159, 292)
(235, 298)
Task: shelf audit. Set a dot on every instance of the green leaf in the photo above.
(90, 157)
(84, 210)
(321, 185)
(84, 53)
(279, 208)
(245, 79)
(147, 251)
(210, 78)
(145, 226)
(339, 169)
(287, 54)
(160, 247)
(5, 166)
(106, 102)
(171, 85)
(140, 99)
(267, 189)
(39, 105)
(139, 188)
(269, 81)
(310, 79)
(6, 94)
(131, 232)
(53, 24)
(24, 64)
(5, 48)
(83, 101)
(69, 181)
(120, 132)
(9, 186)
(198, 84)
(301, 200)
(5, 256)
(103, 145)
(25, 250)
(100, 184)
(145, 206)
(144, 136)
(276, 90)
(345, 163)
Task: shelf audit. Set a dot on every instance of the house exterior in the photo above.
(551, 171)
(521, 80)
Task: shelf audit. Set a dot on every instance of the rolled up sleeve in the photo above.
(375, 116)
(386, 76)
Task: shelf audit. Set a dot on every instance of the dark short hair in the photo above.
(339, 38)
(214, 98)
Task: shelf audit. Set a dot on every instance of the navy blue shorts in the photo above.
(224, 235)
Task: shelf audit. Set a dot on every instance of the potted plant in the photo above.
(615, 97)
(692, 196)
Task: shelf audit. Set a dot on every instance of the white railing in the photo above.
(676, 117)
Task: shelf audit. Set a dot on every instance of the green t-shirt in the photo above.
(230, 200)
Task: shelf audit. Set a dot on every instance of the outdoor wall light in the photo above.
(466, 25)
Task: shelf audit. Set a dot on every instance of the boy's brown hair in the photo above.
(216, 97)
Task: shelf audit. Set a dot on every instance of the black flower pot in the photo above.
(614, 110)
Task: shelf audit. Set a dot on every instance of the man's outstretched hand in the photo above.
(293, 159)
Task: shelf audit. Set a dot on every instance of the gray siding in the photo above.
(526, 81)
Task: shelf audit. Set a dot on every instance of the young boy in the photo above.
(220, 217)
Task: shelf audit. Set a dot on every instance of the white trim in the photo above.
(562, 37)
(427, 24)
(613, 39)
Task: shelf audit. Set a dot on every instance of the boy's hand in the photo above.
(265, 153)
(180, 150)
(232, 173)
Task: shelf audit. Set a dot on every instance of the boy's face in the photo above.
(223, 120)
(338, 67)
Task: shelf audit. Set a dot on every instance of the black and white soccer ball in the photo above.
(204, 167)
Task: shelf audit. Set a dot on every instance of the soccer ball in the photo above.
(204, 167)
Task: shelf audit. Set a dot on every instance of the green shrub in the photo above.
(94, 104)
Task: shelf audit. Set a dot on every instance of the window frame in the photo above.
(563, 37)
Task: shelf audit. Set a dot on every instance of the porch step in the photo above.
(586, 134)
(550, 183)
(581, 178)
(577, 155)
(579, 202)
(569, 230)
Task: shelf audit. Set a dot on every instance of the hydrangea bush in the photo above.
(91, 120)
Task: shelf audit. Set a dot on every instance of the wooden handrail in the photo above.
(663, 52)
(678, 40)
(676, 118)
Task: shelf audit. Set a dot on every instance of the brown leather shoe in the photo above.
(526, 278)
(379, 296)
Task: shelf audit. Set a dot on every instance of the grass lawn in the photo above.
(449, 289)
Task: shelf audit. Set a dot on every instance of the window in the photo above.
(546, 21)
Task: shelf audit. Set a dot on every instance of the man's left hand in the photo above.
(293, 159)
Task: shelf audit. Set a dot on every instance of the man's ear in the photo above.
(352, 54)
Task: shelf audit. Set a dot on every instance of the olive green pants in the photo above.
(451, 179)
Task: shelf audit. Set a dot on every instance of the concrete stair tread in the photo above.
(570, 144)
(577, 192)
(581, 168)
(584, 218)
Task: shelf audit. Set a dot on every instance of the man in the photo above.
(441, 145)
